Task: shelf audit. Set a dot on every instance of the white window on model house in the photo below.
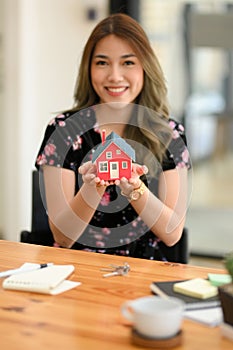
(103, 167)
(124, 165)
(109, 155)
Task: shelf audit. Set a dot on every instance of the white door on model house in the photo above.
(114, 170)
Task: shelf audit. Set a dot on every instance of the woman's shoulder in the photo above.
(61, 118)
(177, 152)
(177, 127)
(64, 118)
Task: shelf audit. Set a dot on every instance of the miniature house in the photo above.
(113, 158)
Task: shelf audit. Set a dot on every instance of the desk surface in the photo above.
(88, 317)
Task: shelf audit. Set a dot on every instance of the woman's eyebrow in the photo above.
(100, 56)
(128, 55)
(123, 56)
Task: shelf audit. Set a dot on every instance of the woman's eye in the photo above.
(101, 63)
(129, 63)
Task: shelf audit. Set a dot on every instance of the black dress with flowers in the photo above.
(115, 227)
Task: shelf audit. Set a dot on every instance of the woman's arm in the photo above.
(69, 214)
(165, 214)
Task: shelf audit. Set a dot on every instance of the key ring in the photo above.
(116, 270)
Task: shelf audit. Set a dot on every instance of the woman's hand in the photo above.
(128, 185)
(88, 172)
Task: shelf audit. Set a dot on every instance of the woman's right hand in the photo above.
(88, 172)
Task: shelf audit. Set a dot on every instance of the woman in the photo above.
(120, 88)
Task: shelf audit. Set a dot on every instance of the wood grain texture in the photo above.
(88, 317)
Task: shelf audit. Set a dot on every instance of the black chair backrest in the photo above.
(40, 232)
(39, 215)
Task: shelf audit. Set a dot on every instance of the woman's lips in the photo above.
(116, 91)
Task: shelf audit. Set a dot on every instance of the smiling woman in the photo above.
(117, 73)
(120, 89)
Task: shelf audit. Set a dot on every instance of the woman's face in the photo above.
(116, 72)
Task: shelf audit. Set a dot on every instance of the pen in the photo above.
(30, 267)
(155, 289)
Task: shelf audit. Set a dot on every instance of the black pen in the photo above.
(28, 267)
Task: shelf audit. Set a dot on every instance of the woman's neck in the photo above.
(113, 117)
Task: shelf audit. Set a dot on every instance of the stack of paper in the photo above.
(211, 317)
(197, 288)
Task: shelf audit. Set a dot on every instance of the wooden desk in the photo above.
(88, 317)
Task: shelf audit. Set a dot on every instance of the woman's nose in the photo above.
(115, 74)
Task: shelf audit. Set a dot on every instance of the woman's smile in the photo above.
(116, 91)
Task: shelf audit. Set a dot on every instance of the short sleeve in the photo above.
(177, 154)
(58, 140)
(63, 144)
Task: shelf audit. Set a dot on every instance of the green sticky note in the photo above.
(217, 279)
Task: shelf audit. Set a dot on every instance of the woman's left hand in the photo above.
(128, 185)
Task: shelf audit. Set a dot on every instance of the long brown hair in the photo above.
(154, 92)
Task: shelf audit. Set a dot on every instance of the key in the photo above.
(118, 270)
(110, 274)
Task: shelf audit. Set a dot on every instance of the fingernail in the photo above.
(145, 169)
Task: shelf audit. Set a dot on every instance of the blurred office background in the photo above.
(41, 43)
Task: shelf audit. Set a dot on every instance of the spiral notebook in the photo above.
(49, 280)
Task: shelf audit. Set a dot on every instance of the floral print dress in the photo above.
(115, 227)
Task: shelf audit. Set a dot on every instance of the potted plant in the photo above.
(226, 294)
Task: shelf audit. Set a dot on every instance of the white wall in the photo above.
(1, 109)
(43, 42)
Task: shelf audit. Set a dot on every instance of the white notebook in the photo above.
(211, 316)
(48, 280)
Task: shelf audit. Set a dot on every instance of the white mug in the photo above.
(155, 317)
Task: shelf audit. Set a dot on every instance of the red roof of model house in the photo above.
(113, 158)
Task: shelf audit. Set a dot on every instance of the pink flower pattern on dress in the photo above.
(41, 159)
(106, 230)
(50, 149)
(105, 199)
(77, 143)
(182, 159)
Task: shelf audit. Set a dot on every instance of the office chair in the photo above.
(41, 234)
(40, 231)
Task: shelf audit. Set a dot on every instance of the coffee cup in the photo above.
(154, 316)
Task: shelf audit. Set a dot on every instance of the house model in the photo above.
(113, 158)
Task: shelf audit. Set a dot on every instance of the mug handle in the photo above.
(127, 310)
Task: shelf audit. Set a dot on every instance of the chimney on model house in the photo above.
(103, 136)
